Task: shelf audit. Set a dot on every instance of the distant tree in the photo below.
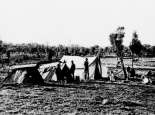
(8, 55)
(135, 46)
(146, 50)
(153, 50)
(97, 48)
(92, 50)
(106, 50)
(116, 40)
(86, 51)
(1, 45)
(51, 53)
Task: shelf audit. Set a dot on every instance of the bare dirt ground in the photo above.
(93, 99)
(88, 99)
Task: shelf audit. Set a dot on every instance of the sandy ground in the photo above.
(92, 99)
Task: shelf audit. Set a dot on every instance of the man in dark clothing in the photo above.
(132, 73)
(65, 72)
(86, 69)
(72, 69)
(58, 73)
(149, 76)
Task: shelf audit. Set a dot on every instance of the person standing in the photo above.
(86, 69)
(65, 73)
(128, 71)
(72, 69)
(149, 76)
(132, 73)
(112, 78)
(58, 73)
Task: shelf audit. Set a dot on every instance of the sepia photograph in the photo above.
(77, 57)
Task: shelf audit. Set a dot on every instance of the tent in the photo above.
(96, 70)
(47, 71)
(24, 74)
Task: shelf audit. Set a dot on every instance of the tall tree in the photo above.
(116, 40)
(51, 53)
(135, 46)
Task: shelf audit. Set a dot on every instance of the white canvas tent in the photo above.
(48, 70)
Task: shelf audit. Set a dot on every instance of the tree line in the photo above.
(34, 51)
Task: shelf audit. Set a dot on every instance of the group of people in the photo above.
(144, 78)
(130, 74)
(147, 78)
(67, 74)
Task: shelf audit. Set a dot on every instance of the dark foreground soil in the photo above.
(93, 99)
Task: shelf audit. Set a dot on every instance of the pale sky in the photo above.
(83, 22)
